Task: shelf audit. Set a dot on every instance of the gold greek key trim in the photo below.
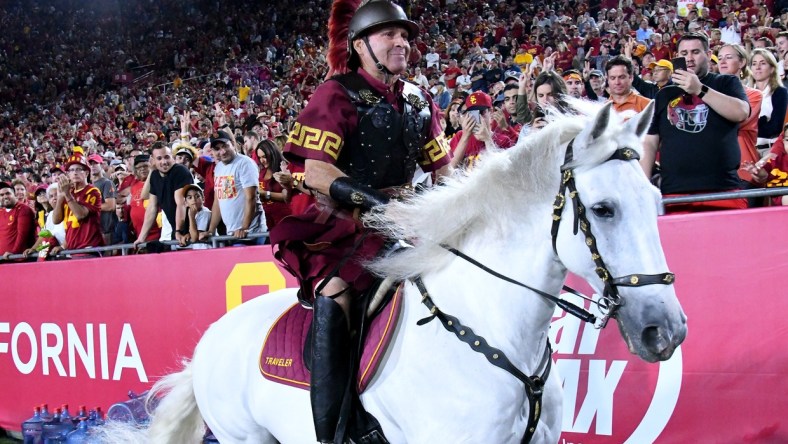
(435, 150)
(315, 139)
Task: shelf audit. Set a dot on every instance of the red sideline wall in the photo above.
(86, 332)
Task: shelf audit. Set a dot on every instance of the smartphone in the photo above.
(679, 63)
(475, 115)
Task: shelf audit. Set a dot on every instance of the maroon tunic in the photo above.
(310, 245)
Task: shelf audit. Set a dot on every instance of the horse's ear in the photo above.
(640, 123)
(601, 122)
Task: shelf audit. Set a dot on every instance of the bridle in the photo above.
(608, 304)
(610, 301)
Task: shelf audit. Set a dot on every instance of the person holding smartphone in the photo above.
(695, 129)
(475, 135)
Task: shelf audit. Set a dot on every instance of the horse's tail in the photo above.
(176, 418)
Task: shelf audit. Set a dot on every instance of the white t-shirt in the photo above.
(433, 59)
(230, 181)
(464, 82)
(422, 81)
(57, 230)
(203, 219)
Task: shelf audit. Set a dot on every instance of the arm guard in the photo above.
(352, 194)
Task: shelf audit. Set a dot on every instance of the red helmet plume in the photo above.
(338, 51)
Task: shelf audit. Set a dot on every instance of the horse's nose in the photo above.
(658, 340)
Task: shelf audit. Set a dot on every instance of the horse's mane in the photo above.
(511, 181)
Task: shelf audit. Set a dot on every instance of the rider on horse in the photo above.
(360, 140)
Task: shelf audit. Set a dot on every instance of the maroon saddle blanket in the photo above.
(281, 358)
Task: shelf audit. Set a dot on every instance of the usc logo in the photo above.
(473, 99)
(251, 275)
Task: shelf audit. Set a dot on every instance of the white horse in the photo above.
(431, 387)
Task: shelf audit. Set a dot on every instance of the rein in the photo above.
(608, 304)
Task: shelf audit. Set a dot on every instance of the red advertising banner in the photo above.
(87, 331)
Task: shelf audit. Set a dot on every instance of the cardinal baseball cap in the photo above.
(478, 100)
(95, 158)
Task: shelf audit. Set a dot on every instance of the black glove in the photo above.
(350, 193)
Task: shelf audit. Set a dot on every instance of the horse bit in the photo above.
(608, 304)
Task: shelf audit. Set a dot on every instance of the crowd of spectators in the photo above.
(115, 78)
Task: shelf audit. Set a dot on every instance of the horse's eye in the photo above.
(603, 210)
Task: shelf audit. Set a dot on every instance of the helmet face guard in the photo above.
(374, 14)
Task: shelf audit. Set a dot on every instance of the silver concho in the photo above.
(357, 198)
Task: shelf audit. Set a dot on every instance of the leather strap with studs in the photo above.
(534, 385)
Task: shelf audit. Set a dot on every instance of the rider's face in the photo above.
(390, 45)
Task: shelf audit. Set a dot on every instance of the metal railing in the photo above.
(222, 241)
(743, 194)
(125, 249)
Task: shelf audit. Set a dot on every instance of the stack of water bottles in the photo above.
(60, 427)
(46, 428)
(135, 411)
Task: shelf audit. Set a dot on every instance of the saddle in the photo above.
(282, 355)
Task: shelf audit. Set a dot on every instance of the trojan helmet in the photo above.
(77, 158)
(349, 22)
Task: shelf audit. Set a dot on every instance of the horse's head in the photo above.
(617, 247)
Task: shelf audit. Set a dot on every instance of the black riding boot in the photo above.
(330, 366)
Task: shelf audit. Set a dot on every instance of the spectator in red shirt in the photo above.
(79, 205)
(476, 135)
(137, 204)
(204, 167)
(659, 50)
(275, 199)
(450, 74)
(503, 118)
(17, 223)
